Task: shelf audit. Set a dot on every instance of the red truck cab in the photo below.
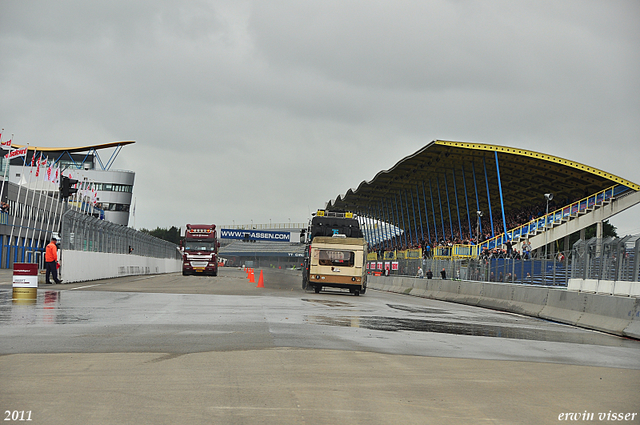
(200, 250)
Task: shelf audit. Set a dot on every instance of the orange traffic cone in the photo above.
(260, 281)
(252, 278)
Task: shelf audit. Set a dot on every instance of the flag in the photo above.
(16, 153)
(39, 164)
(6, 144)
(33, 158)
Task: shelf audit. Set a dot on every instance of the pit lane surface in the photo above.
(174, 349)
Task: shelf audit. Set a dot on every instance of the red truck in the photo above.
(200, 250)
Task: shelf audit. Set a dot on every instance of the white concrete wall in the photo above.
(611, 287)
(618, 315)
(80, 266)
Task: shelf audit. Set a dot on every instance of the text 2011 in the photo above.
(17, 415)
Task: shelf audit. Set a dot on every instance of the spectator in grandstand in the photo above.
(4, 207)
(509, 246)
(429, 274)
(526, 249)
(419, 274)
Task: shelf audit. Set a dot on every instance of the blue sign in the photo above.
(255, 235)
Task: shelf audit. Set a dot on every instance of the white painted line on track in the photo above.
(88, 286)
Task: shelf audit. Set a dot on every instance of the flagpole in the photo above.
(26, 199)
(41, 216)
(4, 178)
(45, 200)
(13, 223)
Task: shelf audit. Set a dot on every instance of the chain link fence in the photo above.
(616, 259)
(83, 232)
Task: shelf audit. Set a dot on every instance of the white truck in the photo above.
(336, 254)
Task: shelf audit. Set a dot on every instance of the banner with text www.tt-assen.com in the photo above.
(255, 235)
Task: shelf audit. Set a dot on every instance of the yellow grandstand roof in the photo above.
(79, 148)
(452, 180)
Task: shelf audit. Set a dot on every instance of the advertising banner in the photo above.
(255, 235)
(25, 275)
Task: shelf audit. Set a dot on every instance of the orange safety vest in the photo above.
(52, 253)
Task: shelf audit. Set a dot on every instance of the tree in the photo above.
(607, 230)
(172, 234)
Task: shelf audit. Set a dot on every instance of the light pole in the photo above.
(548, 197)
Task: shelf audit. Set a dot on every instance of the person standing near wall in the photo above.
(51, 261)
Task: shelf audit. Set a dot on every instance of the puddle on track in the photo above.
(391, 324)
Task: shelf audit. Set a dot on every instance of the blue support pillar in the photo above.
(365, 216)
(419, 214)
(408, 225)
(475, 186)
(379, 228)
(372, 226)
(466, 201)
(386, 226)
(486, 179)
(426, 212)
(406, 200)
(433, 210)
(391, 221)
(504, 220)
(415, 222)
(455, 192)
(446, 188)
(444, 233)
(398, 215)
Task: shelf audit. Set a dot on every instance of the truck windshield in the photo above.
(336, 258)
(200, 246)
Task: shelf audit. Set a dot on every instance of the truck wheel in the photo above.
(356, 293)
(317, 289)
(184, 273)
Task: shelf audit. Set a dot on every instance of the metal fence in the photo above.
(618, 259)
(615, 259)
(83, 232)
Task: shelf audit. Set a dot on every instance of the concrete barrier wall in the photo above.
(607, 313)
(617, 287)
(80, 266)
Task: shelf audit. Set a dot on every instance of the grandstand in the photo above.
(458, 198)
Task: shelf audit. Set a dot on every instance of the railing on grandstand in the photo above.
(556, 217)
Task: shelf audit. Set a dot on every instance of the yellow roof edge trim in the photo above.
(543, 156)
(78, 148)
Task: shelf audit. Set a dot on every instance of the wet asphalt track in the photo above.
(111, 326)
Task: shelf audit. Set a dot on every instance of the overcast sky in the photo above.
(265, 110)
